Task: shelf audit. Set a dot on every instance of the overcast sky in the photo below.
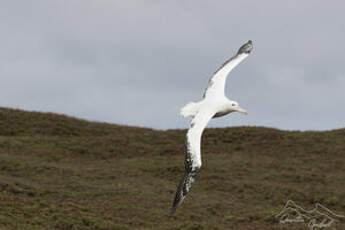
(137, 62)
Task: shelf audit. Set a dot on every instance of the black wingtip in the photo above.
(246, 48)
(177, 201)
(175, 204)
(179, 196)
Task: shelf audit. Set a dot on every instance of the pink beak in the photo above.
(239, 109)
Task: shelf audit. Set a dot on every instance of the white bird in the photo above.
(214, 104)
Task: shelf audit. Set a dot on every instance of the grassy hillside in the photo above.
(58, 172)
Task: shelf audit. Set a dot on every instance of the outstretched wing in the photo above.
(192, 155)
(216, 85)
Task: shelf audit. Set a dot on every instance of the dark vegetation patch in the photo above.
(59, 172)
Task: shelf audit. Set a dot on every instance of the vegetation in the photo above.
(58, 172)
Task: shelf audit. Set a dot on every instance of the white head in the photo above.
(236, 108)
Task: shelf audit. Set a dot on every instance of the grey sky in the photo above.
(138, 62)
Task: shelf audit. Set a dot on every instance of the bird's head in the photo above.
(246, 48)
(236, 108)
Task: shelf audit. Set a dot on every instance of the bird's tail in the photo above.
(190, 109)
(183, 188)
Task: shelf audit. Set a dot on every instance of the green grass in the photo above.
(59, 172)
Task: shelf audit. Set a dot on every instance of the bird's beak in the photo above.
(239, 109)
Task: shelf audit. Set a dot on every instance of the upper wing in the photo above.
(192, 155)
(216, 84)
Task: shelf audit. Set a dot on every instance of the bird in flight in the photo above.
(214, 104)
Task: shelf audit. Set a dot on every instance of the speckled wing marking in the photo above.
(216, 84)
(192, 155)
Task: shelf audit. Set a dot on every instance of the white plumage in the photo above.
(214, 104)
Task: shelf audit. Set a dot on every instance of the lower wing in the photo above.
(192, 155)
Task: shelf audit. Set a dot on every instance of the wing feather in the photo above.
(192, 155)
(216, 85)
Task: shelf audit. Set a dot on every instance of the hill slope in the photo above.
(59, 172)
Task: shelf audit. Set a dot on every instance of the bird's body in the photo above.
(222, 108)
(214, 104)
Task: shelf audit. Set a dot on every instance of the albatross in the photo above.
(214, 104)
